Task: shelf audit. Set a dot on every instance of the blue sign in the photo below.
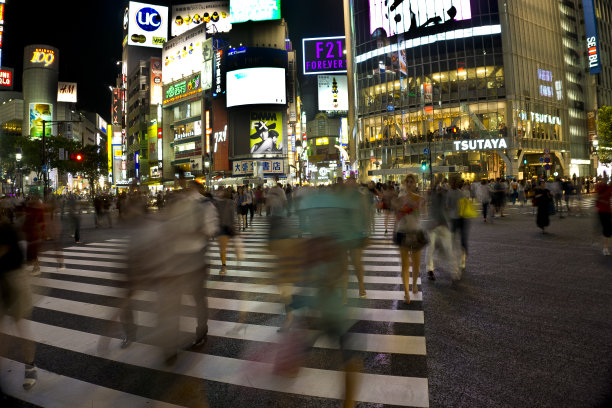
(591, 37)
(148, 19)
(390, 108)
(426, 151)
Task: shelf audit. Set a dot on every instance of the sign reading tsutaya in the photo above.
(480, 144)
(324, 55)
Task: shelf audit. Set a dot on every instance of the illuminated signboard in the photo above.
(156, 81)
(480, 144)
(183, 55)
(2, 12)
(254, 10)
(253, 86)
(414, 16)
(214, 15)
(182, 89)
(592, 38)
(40, 112)
(40, 56)
(219, 83)
(148, 25)
(333, 93)
(324, 55)
(1, 35)
(116, 111)
(6, 79)
(266, 132)
(67, 92)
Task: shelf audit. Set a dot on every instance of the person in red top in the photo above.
(604, 193)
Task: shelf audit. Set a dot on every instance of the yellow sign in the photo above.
(322, 141)
(43, 55)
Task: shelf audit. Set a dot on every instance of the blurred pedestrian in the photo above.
(74, 216)
(34, 231)
(484, 197)
(459, 221)
(409, 235)
(227, 223)
(438, 228)
(16, 297)
(604, 194)
(543, 201)
(242, 207)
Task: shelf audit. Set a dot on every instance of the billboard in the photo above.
(333, 93)
(183, 55)
(220, 137)
(214, 15)
(40, 112)
(254, 10)
(266, 132)
(218, 83)
(116, 111)
(207, 69)
(413, 16)
(592, 38)
(256, 86)
(6, 79)
(324, 55)
(182, 89)
(67, 92)
(40, 56)
(156, 81)
(147, 25)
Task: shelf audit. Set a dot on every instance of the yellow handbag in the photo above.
(466, 209)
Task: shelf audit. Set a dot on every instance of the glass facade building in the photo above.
(490, 88)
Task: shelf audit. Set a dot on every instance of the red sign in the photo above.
(6, 79)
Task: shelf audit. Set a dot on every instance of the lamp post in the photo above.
(18, 157)
(44, 152)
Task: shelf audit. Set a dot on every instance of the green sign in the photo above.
(181, 88)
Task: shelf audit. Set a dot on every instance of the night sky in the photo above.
(88, 35)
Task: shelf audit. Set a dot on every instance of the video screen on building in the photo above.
(256, 86)
(183, 55)
(266, 132)
(333, 93)
(254, 10)
(40, 112)
(213, 14)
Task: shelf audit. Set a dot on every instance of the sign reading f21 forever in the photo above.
(324, 55)
(148, 25)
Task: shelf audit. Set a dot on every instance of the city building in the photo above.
(465, 86)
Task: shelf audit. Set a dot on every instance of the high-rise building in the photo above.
(481, 88)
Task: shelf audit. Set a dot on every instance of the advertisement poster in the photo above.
(333, 93)
(148, 25)
(207, 69)
(212, 14)
(38, 113)
(266, 132)
(183, 55)
(156, 81)
(428, 92)
(254, 10)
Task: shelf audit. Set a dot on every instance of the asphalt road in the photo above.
(529, 324)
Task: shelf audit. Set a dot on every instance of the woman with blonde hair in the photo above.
(409, 235)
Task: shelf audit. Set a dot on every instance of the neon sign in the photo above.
(480, 144)
(591, 37)
(42, 55)
(324, 55)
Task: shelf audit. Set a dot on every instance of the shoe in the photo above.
(362, 294)
(61, 266)
(385, 231)
(406, 299)
(77, 242)
(606, 251)
(223, 270)
(431, 276)
(125, 342)
(35, 271)
(199, 341)
(30, 377)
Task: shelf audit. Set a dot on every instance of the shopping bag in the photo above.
(466, 209)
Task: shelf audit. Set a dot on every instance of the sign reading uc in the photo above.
(148, 19)
(324, 55)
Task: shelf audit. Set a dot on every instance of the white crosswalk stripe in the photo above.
(76, 305)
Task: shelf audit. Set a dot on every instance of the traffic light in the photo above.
(77, 157)
(424, 165)
(454, 130)
(524, 161)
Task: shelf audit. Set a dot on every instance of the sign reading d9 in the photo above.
(324, 55)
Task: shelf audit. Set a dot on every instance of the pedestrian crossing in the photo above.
(81, 364)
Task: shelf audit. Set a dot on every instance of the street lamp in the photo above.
(18, 157)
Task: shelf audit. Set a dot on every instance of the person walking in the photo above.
(604, 194)
(484, 197)
(74, 216)
(543, 201)
(227, 224)
(439, 227)
(408, 235)
(242, 207)
(459, 224)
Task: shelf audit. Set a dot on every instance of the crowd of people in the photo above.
(317, 235)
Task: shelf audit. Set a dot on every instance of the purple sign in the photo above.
(324, 55)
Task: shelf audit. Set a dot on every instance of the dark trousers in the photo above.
(485, 207)
(460, 226)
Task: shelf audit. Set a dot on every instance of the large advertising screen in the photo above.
(40, 112)
(397, 17)
(254, 10)
(148, 25)
(156, 81)
(591, 37)
(333, 93)
(183, 55)
(266, 132)
(256, 86)
(213, 14)
(67, 92)
(324, 55)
